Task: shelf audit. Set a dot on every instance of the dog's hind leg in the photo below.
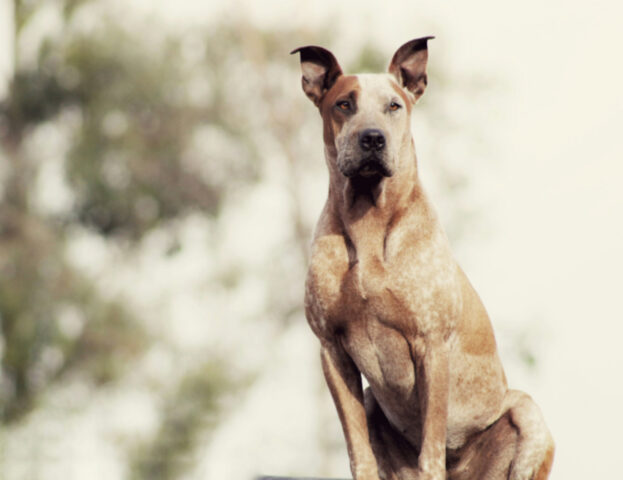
(518, 446)
(535, 447)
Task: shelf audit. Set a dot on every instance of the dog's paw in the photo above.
(430, 475)
(366, 472)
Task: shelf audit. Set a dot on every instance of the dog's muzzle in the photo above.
(372, 158)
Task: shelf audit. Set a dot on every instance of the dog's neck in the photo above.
(368, 209)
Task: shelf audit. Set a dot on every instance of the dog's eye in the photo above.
(394, 106)
(343, 105)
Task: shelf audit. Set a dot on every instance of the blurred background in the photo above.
(160, 175)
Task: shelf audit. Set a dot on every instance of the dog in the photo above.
(388, 301)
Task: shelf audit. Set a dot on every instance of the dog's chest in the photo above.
(410, 291)
(378, 308)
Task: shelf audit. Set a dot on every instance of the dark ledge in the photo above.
(272, 477)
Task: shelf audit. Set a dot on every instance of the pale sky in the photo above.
(552, 255)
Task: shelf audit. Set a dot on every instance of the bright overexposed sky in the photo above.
(552, 255)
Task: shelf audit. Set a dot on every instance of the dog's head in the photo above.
(366, 117)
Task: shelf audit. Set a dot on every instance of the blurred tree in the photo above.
(152, 136)
(52, 321)
(189, 410)
(131, 166)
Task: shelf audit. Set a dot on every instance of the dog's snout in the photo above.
(372, 139)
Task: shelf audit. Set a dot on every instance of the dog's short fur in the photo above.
(387, 299)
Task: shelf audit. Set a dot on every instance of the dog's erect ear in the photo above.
(409, 65)
(320, 71)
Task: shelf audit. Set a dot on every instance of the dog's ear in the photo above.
(408, 65)
(320, 71)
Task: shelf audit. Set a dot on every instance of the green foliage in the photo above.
(131, 165)
(127, 170)
(52, 321)
(370, 59)
(126, 166)
(35, 97)
(25, 9)
(190, 410)
(144, 149)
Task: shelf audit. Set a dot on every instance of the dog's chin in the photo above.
(366, 183)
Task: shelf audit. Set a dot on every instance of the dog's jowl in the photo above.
(388, 301)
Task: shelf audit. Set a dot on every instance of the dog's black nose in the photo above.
(372, 139)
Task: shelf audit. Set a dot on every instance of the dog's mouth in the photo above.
(366, 178)
(369, 168)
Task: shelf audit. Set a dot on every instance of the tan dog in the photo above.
(387, 299)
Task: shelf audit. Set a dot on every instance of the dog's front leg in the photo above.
(344, 381)
(431, 358)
